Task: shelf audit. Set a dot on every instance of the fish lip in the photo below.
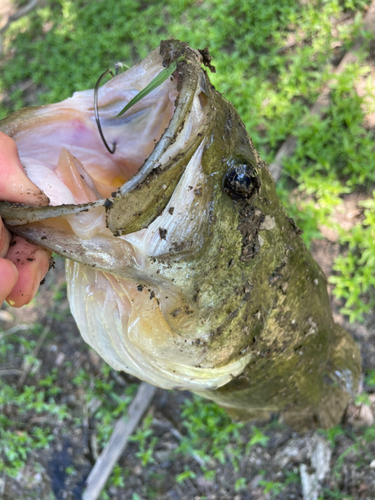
(188, 80)
(17, 214)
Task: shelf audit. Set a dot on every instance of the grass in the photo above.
(17, 437)
(272, 60)
(40, 397)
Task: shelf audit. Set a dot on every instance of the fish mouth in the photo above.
(153, 142)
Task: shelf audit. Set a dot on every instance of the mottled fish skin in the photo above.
(237, 310)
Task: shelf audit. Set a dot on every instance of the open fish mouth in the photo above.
(135, 224)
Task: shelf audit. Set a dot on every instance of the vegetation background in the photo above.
(58, 400)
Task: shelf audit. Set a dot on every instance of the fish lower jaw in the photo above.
(128, 330)
(178, 376)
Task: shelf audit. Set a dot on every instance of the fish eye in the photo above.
(241, 181)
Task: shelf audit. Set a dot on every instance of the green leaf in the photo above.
(158, 80)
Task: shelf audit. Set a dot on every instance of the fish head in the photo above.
(162, 236)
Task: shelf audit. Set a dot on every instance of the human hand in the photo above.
(22, 264)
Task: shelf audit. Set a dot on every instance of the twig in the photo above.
(15, 329)
(85, 428)
(288, 147)
(94, 447)
(2, 485)
(117, 443)
(11, 371)
(20, 13)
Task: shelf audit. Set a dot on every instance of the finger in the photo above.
(5, 238)
(9, 276)
(32, 264)
(15, 186)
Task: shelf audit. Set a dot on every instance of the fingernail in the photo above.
(5, 238)
(37, 281)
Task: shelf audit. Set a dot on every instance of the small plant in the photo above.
(370, 379)
(362, 398)
(240, 484)
(17, 439)
(337, 495)
(333, 433)
(368, 435)
(340, 460)
(257, 438)
(146, 445)
(210, 433)
(274, 488)
(70, 471)
(187, 474)
(356, 269)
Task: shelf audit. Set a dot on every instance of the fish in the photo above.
(183, 268)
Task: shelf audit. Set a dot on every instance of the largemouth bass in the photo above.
(182, 267)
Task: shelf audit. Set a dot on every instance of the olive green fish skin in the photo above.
(244, 274)
(261, 291)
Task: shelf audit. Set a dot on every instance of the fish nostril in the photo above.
(203, 99)
(241, 181)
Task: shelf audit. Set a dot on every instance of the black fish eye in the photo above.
(241, 181)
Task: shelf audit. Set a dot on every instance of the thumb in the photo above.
(15, 186)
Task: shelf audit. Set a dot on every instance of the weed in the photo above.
(370, 379)
(357, 268)
(274, 488)
(257, 438)
(240, 484)
(335, 494)
(187, 474)
(209, 432)
(363, 398)
(336, 471)
(368, 435)
(146, 445)
(17, 438)
(333, 433)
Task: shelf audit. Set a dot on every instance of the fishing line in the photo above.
(96, 110)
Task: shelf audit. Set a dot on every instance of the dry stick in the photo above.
(11, 371)
(2, 485)
(288, 147)
(117, 443)
(15, 329)
(20, 13)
